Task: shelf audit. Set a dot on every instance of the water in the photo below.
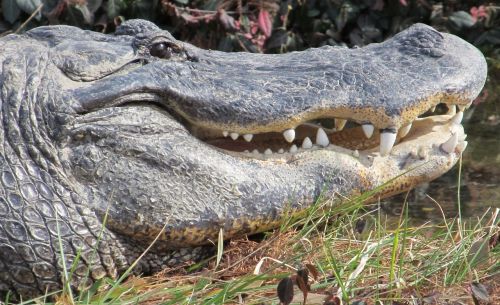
(480, 176)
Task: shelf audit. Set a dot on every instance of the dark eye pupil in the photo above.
(161, 50)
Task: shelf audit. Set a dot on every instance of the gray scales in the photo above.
(156, 133)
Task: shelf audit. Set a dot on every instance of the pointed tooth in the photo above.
(450, 144)
(248, 137)
(281, 151)
(268, 152)
(246, 151)
(461, 107)
(387, 139)
(451, 110)
(255, 151)
(403, 132)
(368, 130)
(289, 135)
(423, 153)
(307, 143)
(225, 133)
(293, 148)
(340, 124)
(433, 109)
(461, 146)
(322, 138)
(355, 153)
(457, 118)
(234, 135)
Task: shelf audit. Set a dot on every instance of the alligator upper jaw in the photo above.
(383, 87)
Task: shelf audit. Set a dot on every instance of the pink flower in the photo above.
(478, 12)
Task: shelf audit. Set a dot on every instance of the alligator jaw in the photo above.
(353, 140)
(188, 174)
(432, 146)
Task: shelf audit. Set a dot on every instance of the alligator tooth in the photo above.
(289, 135)
(457, 118)
(461, 146)
(255, 151)
(248, 137)
(234, 135)
(368, 130)
(322, 138)
(451, 110)
(433, 109)
(281, 151)
(225, 133)
(405, 130)
(307, 143)
(387, 139)
(340, 124)
(355, 153)
(293, 148)
(449, 146)
(268, 152)
(246, 151)
(423, 153)
(461, 107)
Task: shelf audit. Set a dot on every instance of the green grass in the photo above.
(384, 262)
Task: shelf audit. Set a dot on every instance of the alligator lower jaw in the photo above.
(423, 132)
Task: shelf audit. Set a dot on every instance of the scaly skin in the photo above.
(97, 126)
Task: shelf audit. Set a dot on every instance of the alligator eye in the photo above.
(161, 50)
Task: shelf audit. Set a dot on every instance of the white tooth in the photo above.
(387, 139)
(293, 148)
(451, 110)
(225, 133)
(449, 146)
(404, 131)
(289, 135)
(368, 130)
(281, 151)
(268, 152)
(461, 107)
(355, 153)
(234, 135)
(433, 109)
(307, 143)
(248, 137)
(255, 151)
(322, 138)
(340, 124)
(461, 146)
(457, 118)
(423, 153)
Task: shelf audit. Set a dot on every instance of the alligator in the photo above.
(113, 141)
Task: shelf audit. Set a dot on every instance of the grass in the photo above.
(358, 255)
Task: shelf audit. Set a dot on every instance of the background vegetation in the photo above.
(267, 25)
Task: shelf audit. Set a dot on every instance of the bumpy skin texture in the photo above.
(82, 139)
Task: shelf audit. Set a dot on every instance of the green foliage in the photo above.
(266, 25)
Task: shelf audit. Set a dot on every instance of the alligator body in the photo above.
(108, 141)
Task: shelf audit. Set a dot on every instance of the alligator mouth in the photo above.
(338, 135)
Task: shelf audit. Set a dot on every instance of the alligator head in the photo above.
(164, 139)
